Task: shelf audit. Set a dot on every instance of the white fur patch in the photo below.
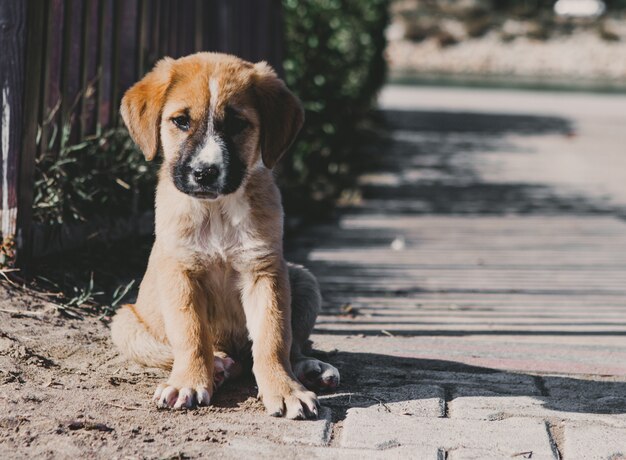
(214, 93)
(211, 154)
(225, 230)
(236, 207)
(213, 151)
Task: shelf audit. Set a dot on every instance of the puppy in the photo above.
(217, 288)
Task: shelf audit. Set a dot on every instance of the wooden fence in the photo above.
(64, 65)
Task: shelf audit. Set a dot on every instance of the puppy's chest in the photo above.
(218, 237)
(222, 235)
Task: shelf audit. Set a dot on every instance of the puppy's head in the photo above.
(215, 117)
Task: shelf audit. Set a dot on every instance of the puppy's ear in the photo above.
(280, 112)
(142, 106)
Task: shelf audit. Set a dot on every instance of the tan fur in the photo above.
(216, 276)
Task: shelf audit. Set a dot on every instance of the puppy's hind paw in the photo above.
(316, 375)
(167, 396)
(224, 368)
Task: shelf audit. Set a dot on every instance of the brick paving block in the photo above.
(491, 406)
(502, 438)
(486, 454)
(593, 442)
(261, 449)
(313, 432)
(486, 405)
(418, 400)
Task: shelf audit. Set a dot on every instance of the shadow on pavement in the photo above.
(375, 376)
(475, 122)
(429, 165)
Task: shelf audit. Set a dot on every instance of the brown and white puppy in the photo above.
(217, 285)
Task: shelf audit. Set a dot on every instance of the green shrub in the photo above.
(105, 176)
(334, 63)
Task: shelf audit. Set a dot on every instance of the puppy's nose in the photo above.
(206, 175)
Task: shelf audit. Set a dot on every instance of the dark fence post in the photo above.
(35, 33)
(12, 48)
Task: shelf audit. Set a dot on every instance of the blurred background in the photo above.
(529, 44)
(76, 189)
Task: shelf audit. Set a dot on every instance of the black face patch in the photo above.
(229, 132)
(232, 128)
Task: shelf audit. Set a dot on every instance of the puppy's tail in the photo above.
(136, 343)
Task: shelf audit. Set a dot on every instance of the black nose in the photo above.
(206, 175)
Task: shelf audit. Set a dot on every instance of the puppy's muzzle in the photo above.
(206, 175)
(204, 181)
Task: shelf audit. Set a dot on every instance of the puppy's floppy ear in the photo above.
(142, 106)
(280, 112)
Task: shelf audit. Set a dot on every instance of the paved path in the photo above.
(477, 293)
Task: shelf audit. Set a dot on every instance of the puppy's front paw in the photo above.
(170, 396)
(295, 403)
(316, 375)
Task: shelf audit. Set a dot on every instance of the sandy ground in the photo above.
(65, 393)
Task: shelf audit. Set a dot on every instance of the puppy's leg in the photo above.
(184, 310)
(137, 344)
(306, 303)
(266, 302)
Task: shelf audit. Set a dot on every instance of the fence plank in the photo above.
(247, 23)
(155, 27)
(143, 31)
(224, 16)
(126, 47)
(72, 71)
(275, 38)
(164, 25)
(105, 88)
(12, 50)
(90, 67)
(199, 25)
(51, 117)
(36, 32)
(211, 24)
(186, 27)
(173, 29)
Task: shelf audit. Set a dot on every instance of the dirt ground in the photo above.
(66, 393)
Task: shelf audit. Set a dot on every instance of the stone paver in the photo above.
(594, 442)
(246, 448)
(486, 407)
(418, 399)
(501, 439)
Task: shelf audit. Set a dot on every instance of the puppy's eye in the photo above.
(181, 122)
(235, 124)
